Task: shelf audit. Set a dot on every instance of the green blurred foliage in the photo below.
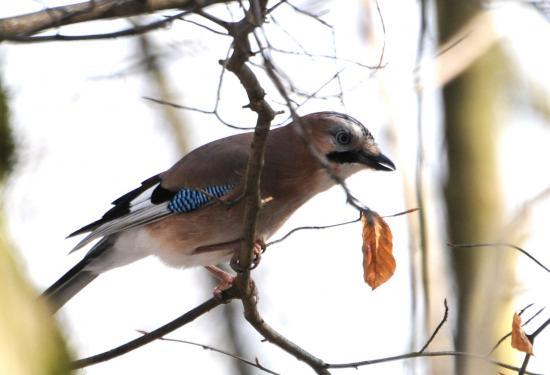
(7, 145)
(30, 343)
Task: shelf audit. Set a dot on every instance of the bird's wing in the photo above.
(209, 172)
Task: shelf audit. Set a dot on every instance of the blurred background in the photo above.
(460, 102)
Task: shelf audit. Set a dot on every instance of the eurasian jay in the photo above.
(182, 215)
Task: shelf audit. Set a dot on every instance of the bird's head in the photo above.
(345, 142)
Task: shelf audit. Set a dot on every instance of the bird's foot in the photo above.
(257, 250)
(226, 280)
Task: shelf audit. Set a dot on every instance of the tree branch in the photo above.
(256, 363)
(444, 353)
(318, 227)
(25, 25)
(438, 328)
(531, 338)
(135, 30)
(498, 244)
(243, 259)
(188, 317)
(501, 340)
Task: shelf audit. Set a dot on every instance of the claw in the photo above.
(257, 250)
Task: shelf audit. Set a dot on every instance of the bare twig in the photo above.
(179, 106)
(497, 244)
(444, 353)
(325, 56)
(501, 340)
(325, 84)
(184, 319)
(214, 111)
(292, 231)
(311, 228)
(383, 24)
(531, 338)
(205, 27)
(256, 363)
(316, 17)
(226, 25)
(436, 331)
(194, 109)
(409, 211)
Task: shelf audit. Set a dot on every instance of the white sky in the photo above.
(85, 140)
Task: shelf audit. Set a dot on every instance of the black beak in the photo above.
(379, 162)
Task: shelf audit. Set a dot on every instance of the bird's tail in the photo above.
(76, 279)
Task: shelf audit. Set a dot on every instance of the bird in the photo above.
(192, 213)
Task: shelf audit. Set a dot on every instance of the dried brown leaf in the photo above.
(520, 341)
(378, 260)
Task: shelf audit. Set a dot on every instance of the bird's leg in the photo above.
(226, 280)
(234, 246)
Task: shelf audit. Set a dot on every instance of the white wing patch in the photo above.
(142, 211)
(143, 200)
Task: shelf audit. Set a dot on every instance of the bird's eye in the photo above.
(343, 137)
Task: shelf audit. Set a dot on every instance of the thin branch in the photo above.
(311, 228)
(325, 56)
(254, 318)
(501, 340)
(497, 244)
(539, 330)
(135, 30)
(444, 353)
(291, 232)
(436, 331)
(315, 17)
(383, 24)
(409, 211)
(531, 338)
(226, 296)
(205, 27)
(256, 363)
(194, 109)
(270, 10)
(523, 369)
(450, 46)
(325, 84)
(214, 111)
(179, 106)
(525, 309)
(19, 28)
(226, 25)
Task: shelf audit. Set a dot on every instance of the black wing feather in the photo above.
(122, 204)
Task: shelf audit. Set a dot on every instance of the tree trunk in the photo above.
(472, 192)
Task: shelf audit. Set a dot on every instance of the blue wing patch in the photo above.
(187, 200)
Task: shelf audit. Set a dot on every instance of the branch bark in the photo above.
(25, 25)
(237, 65)
(188, 317)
